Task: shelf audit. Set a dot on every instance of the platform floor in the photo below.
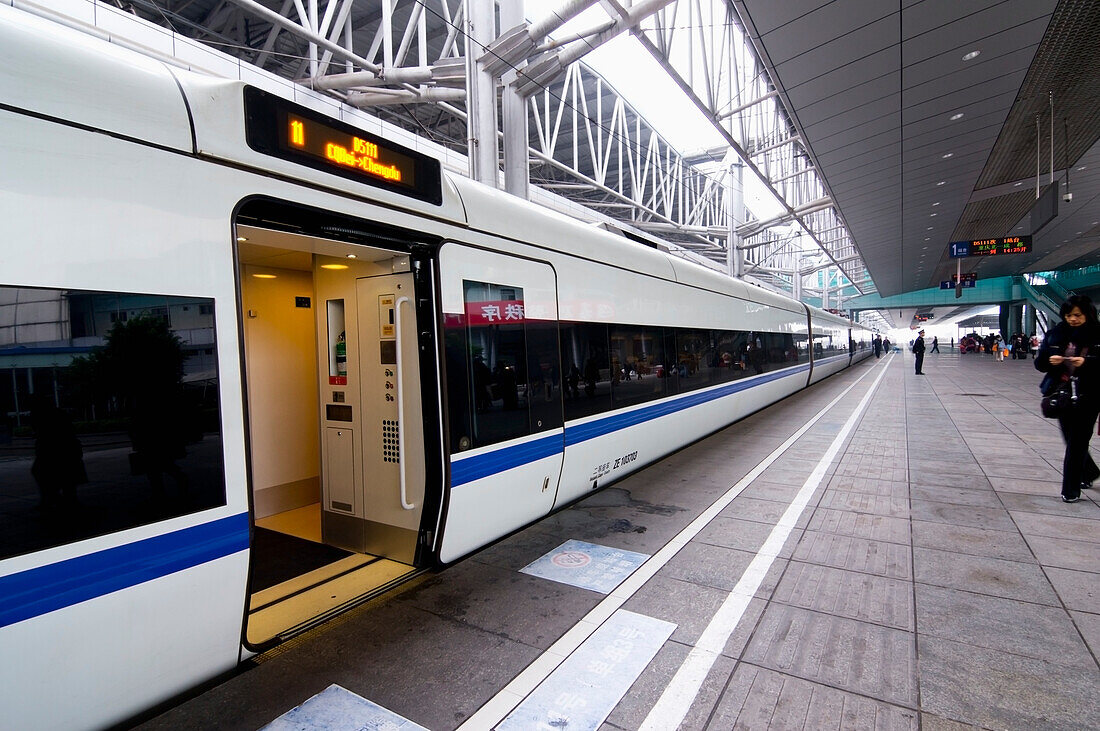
(933, 580)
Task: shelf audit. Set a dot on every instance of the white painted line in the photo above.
(675, 702)
(497, 707)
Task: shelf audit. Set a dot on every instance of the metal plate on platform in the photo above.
(586, 565)
(587, 686)
(338, 709)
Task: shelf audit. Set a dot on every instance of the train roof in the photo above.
(61, 73)
(126, 93)
(495, 211)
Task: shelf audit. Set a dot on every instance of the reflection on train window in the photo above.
(503, 374)
(637, 365)
(603, 367)
(829, 342)
(109, 414)
(587, 369)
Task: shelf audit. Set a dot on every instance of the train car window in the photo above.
(669, 370)
(728, 358)
(801, 344)
(544, 382)
(503, 371)
(781, 351)
(586, 367)
(693, 359)
(829, 342)
(460, 385)
(109, 414)
(637, 358)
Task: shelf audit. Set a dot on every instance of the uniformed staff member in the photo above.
(918, 350)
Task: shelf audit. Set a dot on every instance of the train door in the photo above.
(342, 471)
(504, 394)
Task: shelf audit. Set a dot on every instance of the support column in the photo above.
(735, 194)
(481, 97)
(1031, 324)
(1003, 318)
(796, 280)
(513, 107)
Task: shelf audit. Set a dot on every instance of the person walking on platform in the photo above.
(886, 345)
(935, 344)
(877, 342)
(1072, 350)
(918, 351)
(998, 348)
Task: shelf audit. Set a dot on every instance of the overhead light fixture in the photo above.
(972, 55)
(242, 239)
(927, 238)
(352, 256)
(960, 115)
(932, 215)
(950, 154)
(1017, 185)
(935, 204)
(334, 266)
(929, 228)
(941, 182)
(264, 276)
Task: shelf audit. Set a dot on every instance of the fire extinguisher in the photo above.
(341, 356)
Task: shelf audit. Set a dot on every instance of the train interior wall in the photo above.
(280, 344)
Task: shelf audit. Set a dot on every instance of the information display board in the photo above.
(280, 128)
(991, 247)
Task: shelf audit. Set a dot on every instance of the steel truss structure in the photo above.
(419, 63)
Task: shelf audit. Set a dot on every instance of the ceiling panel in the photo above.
(872, 90)
(839, 101)
(926, 16)
(850, 78)
(975, 31)
(794, 59)
(770, 16)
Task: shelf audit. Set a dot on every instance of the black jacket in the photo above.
(918, 345)
(1084, 337)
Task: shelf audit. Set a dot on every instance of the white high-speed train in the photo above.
(258, 363)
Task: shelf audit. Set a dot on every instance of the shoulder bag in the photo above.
(1061, 400)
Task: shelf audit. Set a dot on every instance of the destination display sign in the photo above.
(277, 127)
(991, 247)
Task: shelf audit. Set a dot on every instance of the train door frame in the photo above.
(345, 233)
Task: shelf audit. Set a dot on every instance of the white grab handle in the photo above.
(400, 406)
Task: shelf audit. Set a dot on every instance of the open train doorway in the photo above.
(336, 427)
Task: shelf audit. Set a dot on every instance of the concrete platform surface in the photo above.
(928, 577)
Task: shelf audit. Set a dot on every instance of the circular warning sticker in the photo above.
(571, 559)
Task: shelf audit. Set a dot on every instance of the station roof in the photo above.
(921, 143)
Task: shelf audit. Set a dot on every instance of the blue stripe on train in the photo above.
(499, 460)
(48, 588)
